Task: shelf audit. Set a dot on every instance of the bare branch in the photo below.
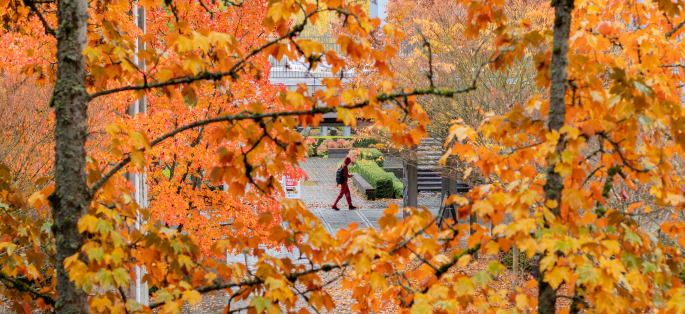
(429, 53)
(216, 76)
(32, 5)
(675, 29)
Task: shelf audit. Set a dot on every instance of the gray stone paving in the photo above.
(319, 192)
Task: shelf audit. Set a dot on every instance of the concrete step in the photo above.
(426, 183)
(425, 189)
(426, 171)
(428, 174)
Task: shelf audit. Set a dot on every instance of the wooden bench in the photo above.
(364, 187)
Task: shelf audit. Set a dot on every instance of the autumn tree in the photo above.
(181, 192)
(594, 255)
(438, 46)
(94, 57)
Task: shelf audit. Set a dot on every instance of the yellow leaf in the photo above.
(464, 260)
(92, 54)
(192, 296)
(140, 140)
(421, 308)
(551, 204)
(347, 117)
(465, 286)
(605, 302)
(32, 272)
(556, 276)
(138, 158)
(564, 169)
(637, 281)
(521, 301)
(483, 208)
(492, 248)
(100, 304)
(172, 307)
(87, 222)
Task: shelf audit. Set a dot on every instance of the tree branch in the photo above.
(32, 5)
(207, 76)
(26, 288)
(675, 29)
(259, 116)
(328, 267)
(222, 286)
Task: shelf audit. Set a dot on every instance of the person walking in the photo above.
(341, 179)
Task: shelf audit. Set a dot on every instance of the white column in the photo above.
(347, 131)
(324, 131)
(142, 292)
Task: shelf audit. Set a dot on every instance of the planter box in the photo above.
(364, 187)
(338, 152)
(396, 170)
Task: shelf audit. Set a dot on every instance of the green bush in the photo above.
(311, 150)
(372, 154)
(397, 185)
(377, 177)
(364, 142)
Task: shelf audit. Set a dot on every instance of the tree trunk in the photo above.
(515, 266)
(473, 219)
(412, 187)
(556, 120)
(71, 198)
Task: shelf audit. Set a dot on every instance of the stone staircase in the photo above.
(429, 153)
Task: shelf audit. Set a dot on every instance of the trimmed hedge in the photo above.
(372, 154)
(397, 185)
(377, 177)
(364, 142)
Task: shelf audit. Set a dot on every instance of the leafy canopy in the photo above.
(618, 126)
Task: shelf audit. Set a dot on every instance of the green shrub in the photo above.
(311, 150)
(372, 154)
(364, 142)
(397, 185)
(377, 177)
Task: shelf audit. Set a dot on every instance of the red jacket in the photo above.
(346, 174)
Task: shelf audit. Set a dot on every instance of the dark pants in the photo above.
(344, 190)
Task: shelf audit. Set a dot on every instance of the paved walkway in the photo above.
(319, 193)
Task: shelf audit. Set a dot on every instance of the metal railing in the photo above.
(285, 68)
